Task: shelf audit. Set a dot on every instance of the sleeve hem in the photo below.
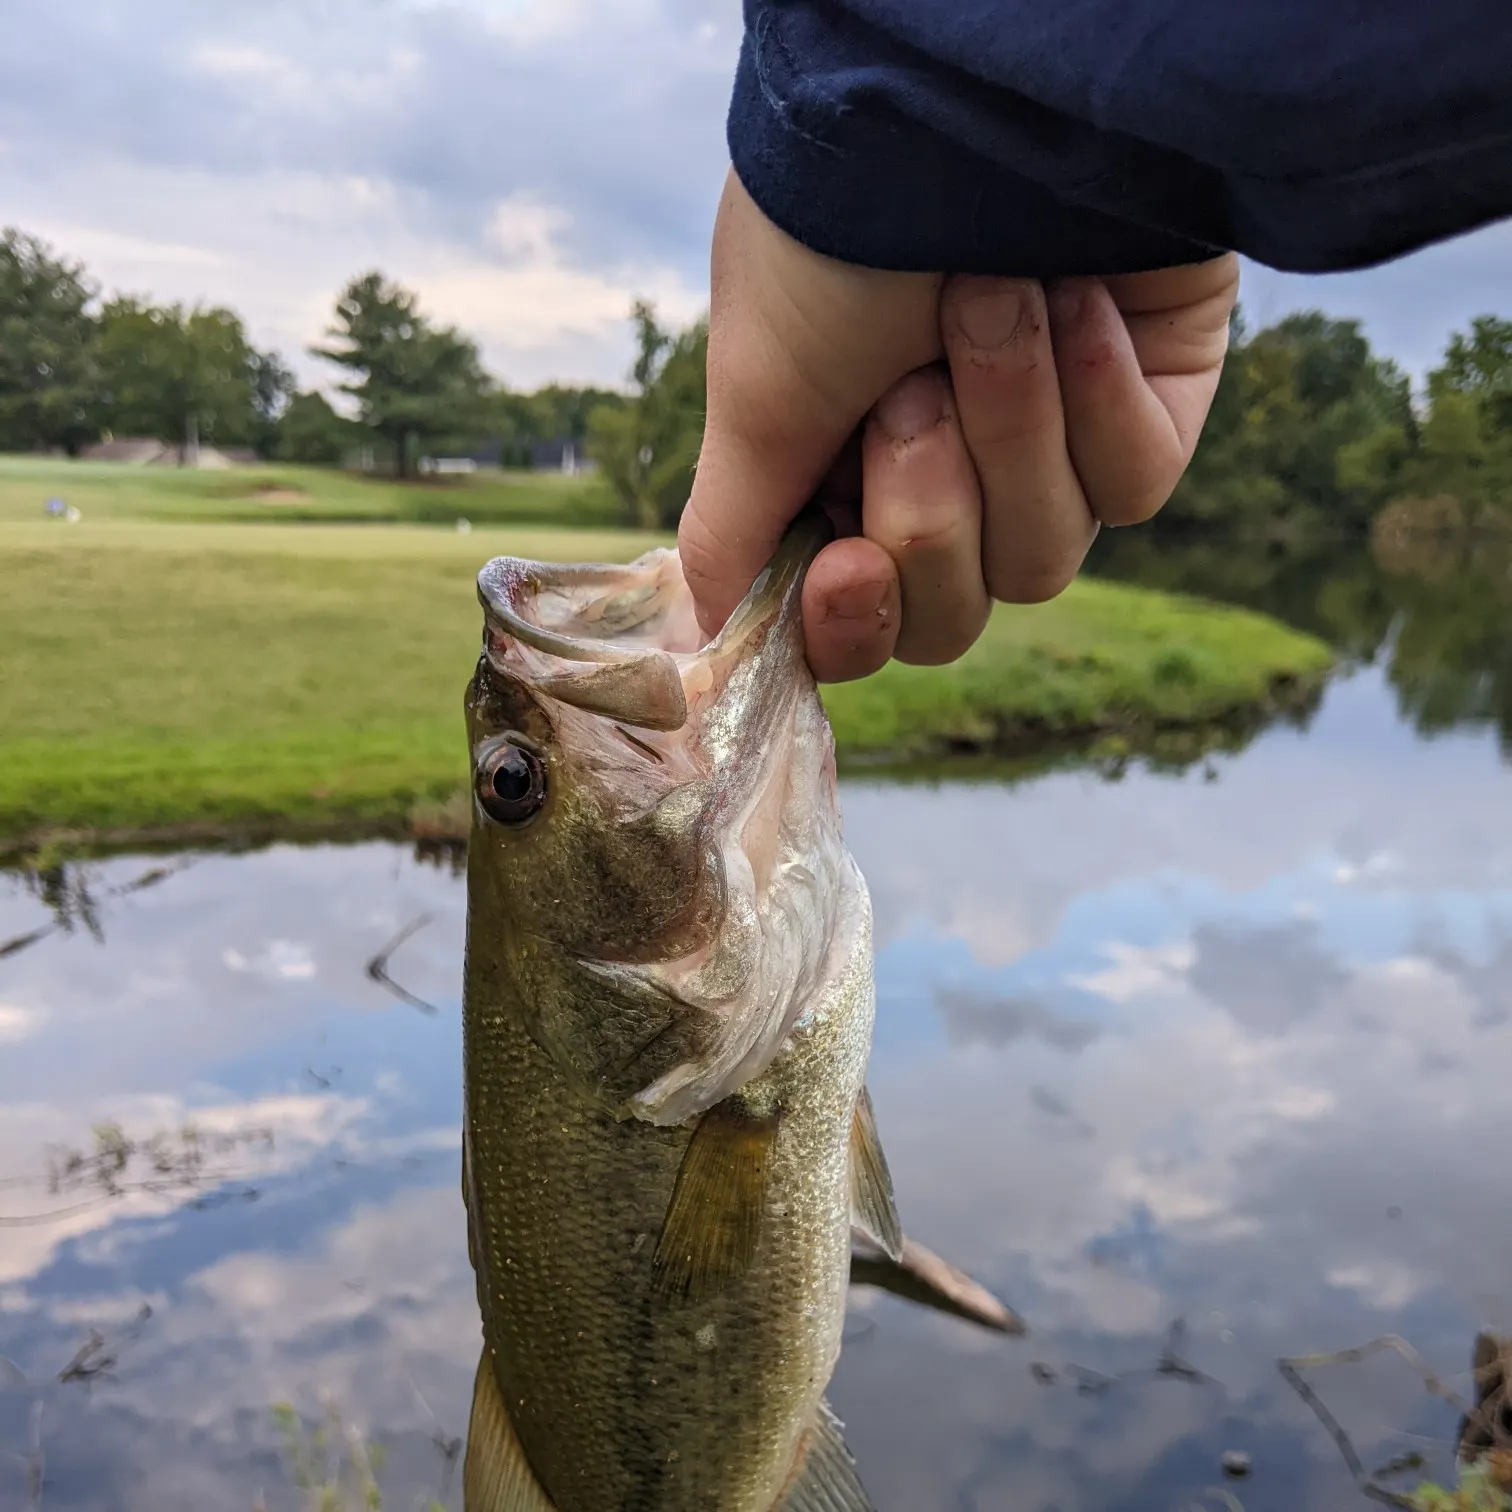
(891, 195)
(866, 184)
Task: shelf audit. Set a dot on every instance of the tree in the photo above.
(557, 412)
(49, 371)
(186, 376)
(519, 422)
(412, 381)
(310, 431)
(649, 447)
(1480, 365)
(1459, 476)
(1308, 431)
(273, 387)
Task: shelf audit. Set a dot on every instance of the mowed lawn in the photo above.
(279, 494)
(159, 676)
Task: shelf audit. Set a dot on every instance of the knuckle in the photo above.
(924, 530)
(1136, 510)
(706, 566)
(697, 549)
(1027, 582)
(1094, 358)
(1135, 494)
(1010, 408)
(942, 644)
(1014, 428)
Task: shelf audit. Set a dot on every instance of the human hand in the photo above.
(1000, 425)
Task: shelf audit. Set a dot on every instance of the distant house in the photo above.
(565, 455)
(142, 451)
(490, 454)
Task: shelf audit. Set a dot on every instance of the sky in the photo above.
(528, 166)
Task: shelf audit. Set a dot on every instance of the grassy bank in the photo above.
(276, 495)
(166, 677)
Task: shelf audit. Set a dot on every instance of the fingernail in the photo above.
(993, 317)
(914, 406)
(859, 601)
(1068, 299)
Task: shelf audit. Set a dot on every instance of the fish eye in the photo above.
(511, 784)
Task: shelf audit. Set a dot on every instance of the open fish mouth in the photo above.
(623, 642)
(736, 726)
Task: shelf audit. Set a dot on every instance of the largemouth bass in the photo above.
(668, 1014)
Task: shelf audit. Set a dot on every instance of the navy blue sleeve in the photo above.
(1044, 138)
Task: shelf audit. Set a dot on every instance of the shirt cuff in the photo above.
(887, 193)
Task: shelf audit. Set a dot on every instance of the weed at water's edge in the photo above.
(334, 1465)
(1479, 1490)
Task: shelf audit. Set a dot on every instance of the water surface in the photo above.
(1229, 1048)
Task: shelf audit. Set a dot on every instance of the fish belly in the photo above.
(625, 1400)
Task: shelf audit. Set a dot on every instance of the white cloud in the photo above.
(1136, 971)
(301, 1126)
(17, 1024)
(238, 62)
(1230, 1150)
(258, 156)
(528, 167)
(279, 246)
(1382, 1284)
(284, 960)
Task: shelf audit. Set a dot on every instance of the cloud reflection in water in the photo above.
(1232, 1052)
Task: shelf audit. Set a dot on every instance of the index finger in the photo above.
(800, 348)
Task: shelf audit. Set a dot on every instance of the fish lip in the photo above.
(636, 682)
(808, 534)
(505, 584)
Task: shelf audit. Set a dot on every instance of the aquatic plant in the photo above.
(337, 1469)
(1482, 1487)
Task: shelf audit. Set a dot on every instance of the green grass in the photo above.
(1102, 659)
(297, 495)
(1480, 1488)
(160, 677)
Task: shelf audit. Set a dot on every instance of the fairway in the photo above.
(285, 494)
(157, 677)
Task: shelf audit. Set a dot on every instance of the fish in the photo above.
(669, 1148)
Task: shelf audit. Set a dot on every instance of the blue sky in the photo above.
(528, 165)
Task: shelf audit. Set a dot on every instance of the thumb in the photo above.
(800, 349)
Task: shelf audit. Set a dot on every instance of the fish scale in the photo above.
(618, 1400)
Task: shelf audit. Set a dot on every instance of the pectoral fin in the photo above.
(873, 1209)
(496, 1476)
(919, 1275)
(826, 1479)
(714, 1221)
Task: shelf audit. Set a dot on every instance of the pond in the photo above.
(1207, 1068)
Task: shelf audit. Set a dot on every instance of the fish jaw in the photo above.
(641, 712)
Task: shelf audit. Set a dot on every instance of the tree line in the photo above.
(76, 366)
(1310, 430)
